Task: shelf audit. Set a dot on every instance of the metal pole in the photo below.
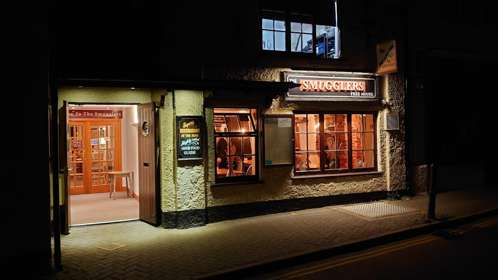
(431, 209)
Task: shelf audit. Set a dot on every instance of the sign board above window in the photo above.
(331, 86)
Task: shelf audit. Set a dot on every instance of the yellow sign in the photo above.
(386, 58)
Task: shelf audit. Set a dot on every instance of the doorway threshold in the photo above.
(105, 223)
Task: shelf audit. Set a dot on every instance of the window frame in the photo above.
(256, 134)
(350, 168)
(273, 17)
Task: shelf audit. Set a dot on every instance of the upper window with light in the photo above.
(302, 33)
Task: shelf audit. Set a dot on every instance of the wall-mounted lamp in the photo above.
(387, 103)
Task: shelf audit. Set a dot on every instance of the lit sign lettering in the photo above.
(333, 87)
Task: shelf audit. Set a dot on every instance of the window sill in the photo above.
(317, 176)
(221, 184)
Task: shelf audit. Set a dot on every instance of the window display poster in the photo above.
(189, 137)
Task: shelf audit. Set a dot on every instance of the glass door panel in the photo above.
(102, 143)
(76, 158)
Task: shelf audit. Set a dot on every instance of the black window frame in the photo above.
(255, 133)
(350, 168)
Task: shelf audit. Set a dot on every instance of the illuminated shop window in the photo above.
(235, 143)
(273, 32)
(334, 143)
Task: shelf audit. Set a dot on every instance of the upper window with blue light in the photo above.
(273, 31)
(301, 29)
(301, 37)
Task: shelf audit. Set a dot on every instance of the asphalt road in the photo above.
(467, 252)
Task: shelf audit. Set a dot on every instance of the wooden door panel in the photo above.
(148, 194)
(95, 150)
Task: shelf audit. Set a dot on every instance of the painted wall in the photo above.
(129, 131)
(182, 184)
(104, 95)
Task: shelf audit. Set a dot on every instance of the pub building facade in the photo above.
(305, 139)
(252, 140)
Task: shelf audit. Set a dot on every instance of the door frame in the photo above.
(156, 149)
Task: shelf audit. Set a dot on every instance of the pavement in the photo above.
(243, 247)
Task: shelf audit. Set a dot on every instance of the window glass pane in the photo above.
(307, 43)
(368, 141)
(313, 123)
(313, 142)
(296, 42)
(325, 40)
(301, 161)
(235, 166)
(249, 166)
(369, 159)
(267, 40)
(357, 141)
(295, 27)
(280, 25)
(357, 123)
(235, 146)
(300, 122)
(329, 123)
(254, 116)
(280, 41)
(221, 156)
(249, 145)
(232, 123)
(363, 159)
(219, 123)
(314, 160)
(329, 142)
(267, 23)
(245, 123)
(300, 142)
(369, 123)
(307, 28)
(336, 160)
(341, 122)
(342, 141)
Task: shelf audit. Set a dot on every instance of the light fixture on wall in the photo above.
(386, 103)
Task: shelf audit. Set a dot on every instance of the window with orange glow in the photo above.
(235, 132)
(333, 142)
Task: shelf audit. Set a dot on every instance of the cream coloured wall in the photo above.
(103, 95)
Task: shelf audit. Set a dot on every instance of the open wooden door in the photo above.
(148, 192)
(63, 169)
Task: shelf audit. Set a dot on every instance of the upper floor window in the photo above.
(273, 32)
(289, 28)
(301, 37)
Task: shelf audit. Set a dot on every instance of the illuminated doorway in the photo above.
(102, 163)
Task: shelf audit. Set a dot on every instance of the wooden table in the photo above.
(129, 181)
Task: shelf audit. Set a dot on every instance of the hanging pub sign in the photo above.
(189, 137)
(95, 114)
(336, 86)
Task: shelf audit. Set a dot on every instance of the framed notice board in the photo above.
(189, 137)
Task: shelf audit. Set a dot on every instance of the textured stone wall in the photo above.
(396, 139)
(167, 154)
(190, 180)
